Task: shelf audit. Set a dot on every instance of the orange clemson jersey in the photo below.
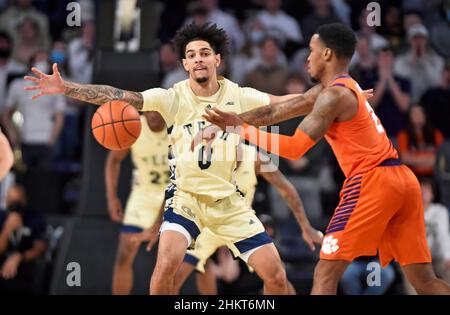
(361, 143)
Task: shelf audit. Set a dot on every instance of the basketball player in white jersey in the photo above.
(249, 167)
(150, 178)
(203, 191)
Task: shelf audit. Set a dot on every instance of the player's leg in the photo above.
(327, 275)
(171, 249)
(181, 276)
(424, 280)
(266, 262)
(407, 243)
(123, 266)
(207, 281)
(367, 204)
(291, 288)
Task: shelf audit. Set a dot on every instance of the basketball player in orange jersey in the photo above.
(380, 208)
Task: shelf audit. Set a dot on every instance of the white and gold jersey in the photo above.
(149, 156)
(209, 175)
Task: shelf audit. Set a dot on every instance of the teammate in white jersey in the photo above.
(203, 191)
(250, 166)
(150, 178)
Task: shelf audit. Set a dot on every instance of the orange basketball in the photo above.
(116, 125)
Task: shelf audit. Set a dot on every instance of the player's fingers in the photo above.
(218, 111)
(213, 112)
(31, 78)
(31, 88)
(38, 72)
(55, 69)
(37, 95)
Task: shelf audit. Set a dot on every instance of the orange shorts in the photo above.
(379, 211)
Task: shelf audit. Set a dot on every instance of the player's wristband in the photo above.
(291, 147)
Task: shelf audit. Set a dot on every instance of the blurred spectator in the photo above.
(23, 239)
(7, 67)
(198, 13)
(391, 27)
(81, 54)
(278, 23)
(391, 99)
(376, 41)
(363, 62)
(420, 63)
(442, 172)
(171, 69)
(438, 231)
(418, 143)
(248, 57)
(27, 44)
(342, 10)
(323, 14)
(43, 118)
(440, 29)
(223, 20)
(69, 140)
(354, 280)
(269, 76)
(16, 14)
(436, 103)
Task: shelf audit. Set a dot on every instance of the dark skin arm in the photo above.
(112, 171)
(333, 104)
(292, 198)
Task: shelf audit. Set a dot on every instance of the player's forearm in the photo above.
(4, 236)
(112, 171)
(100, 94)
(294, 202)
(286, 109)
(7, 157)
(35, 252)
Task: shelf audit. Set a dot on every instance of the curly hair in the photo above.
(216, 37)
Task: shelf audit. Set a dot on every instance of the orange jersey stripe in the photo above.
(361, 143)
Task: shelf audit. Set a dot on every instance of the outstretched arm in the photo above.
(326, 109)
(96, 94)
(282, 108)
(290, 195)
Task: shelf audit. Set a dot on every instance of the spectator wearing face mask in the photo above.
(22, 242)
(41, 125)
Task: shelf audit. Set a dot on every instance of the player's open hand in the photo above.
(115, 209)
(312, 236)
(148, 235)
(227, 121)
(44, 83)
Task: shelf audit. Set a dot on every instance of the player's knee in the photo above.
(323, 277)
(277, 278)
(126, 252)
(423, 283)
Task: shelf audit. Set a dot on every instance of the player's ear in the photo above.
(185, 64)
(327, 53)
(218, 59)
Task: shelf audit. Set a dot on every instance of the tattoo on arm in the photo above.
(317, 123)
(275, 113)
(100, 94)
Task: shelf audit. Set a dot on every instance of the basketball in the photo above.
(116, 125)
